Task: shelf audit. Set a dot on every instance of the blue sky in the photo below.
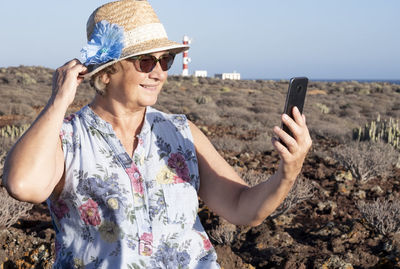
(272, 39)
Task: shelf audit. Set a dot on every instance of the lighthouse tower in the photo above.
(186, 59)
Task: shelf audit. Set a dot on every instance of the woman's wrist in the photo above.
(58, 104)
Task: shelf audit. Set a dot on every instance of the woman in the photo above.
(121, 179)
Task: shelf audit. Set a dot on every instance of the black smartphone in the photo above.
(295, 96)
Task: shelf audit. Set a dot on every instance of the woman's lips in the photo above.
(149, 87)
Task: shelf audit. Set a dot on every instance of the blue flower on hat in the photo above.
(106, 44)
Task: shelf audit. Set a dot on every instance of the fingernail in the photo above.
(285, 116)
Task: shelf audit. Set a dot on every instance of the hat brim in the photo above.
(161, 45)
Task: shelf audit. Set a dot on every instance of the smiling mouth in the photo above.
(149, 87)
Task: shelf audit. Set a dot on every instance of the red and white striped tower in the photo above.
(186, 59)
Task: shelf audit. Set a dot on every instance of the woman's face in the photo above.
(136, 88)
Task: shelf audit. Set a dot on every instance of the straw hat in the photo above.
(122, 29)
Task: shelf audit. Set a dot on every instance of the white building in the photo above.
(200, 73)
(234, 76)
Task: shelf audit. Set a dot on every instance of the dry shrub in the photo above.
(265, 122)
(366, 160)
(238, 117)
(257, 143)
(253, 177)
(261, 106)
(331, 127)
(204, 113)
(11, 210)
(382, 215)
(232, 100)
(302, 190)
(260, 143)
(228, 143)
(224, 233)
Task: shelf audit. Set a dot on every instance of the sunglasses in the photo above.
(146, 63)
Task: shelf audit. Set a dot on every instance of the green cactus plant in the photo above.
(386, 130)
(12, 131)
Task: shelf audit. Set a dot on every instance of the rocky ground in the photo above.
(326, 230)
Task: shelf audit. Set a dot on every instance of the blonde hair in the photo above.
(97, 83)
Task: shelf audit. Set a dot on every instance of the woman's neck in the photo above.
(120, 115)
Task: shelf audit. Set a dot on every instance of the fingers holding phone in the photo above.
(293, 123)
(295, 97)
(295, 130)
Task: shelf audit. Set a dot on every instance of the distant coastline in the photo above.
(391, 81)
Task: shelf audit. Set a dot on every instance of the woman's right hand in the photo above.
(66, 80)
(35, 164)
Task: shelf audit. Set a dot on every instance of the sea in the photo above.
(391, 81)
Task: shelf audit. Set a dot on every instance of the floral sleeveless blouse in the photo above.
(121, 212)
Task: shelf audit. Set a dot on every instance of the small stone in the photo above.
(344, 188)
(336, 262)
(348, 176)
(378, 190)
(283, 220)
(360, 194)
(321, 205)
(325, 192)
(337, 245)
(203, 128)
(260, 246)
(3, 256)
(344, 176)
(327, 207)
(253, 164)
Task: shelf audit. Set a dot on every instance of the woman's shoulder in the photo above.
(156, 112)
(74, 116)
(75, 121)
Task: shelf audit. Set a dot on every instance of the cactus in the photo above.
(380, 130)
(12, 131)
(203, 99)
(323, 108)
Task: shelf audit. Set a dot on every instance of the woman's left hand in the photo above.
(293, 155)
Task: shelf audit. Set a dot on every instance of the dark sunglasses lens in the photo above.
(166, 61)
(147, 63)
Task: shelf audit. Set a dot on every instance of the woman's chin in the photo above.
(148, 101)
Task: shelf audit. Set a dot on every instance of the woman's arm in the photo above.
(35, 163)
(229, 196)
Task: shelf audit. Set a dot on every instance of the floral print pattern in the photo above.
(59, 208)
(136, 179)
(129, 212)
(178, 162)
(146, 241)
(90, 213)
(168, 256)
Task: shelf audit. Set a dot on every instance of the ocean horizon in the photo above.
(392, 81)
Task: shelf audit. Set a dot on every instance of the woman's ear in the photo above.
(105, 78)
